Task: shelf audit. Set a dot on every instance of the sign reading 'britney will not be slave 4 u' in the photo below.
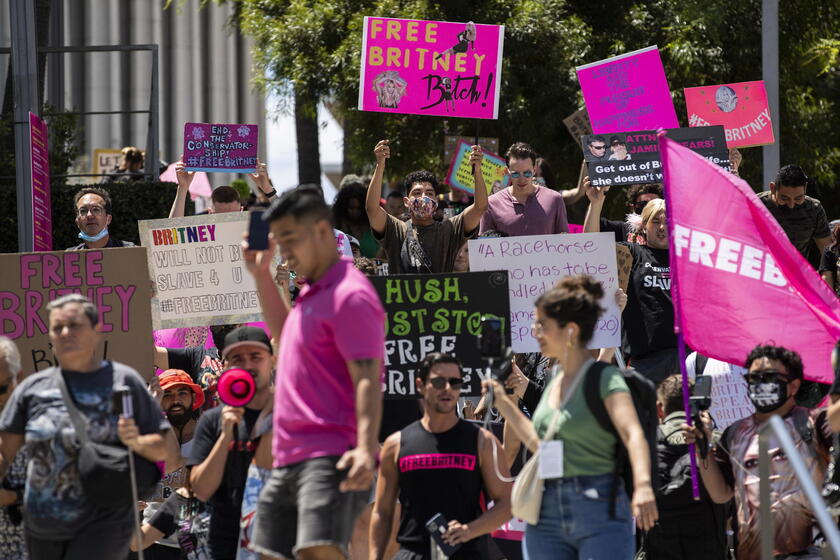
(221, 147)
(198, 273)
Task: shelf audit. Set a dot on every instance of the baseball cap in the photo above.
(172, 377)
(246, 335)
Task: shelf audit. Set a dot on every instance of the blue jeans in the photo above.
(575, 523)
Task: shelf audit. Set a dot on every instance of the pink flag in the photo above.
(738, 281)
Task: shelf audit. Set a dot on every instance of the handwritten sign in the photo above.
(229, 148)
(578, 123)
(115, 280)
(41, 205)
(428, 313)
(493, 168)
(633, 157)
(741, 108)
(628, 92)
(535, 263)
(437, 68)
(197, 269)
(451, 143)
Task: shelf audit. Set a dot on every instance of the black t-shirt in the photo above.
(828, 263)
(226, 503)
(618, 227)
(191, 518)
(648, 319)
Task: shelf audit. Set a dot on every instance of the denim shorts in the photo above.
(575, 523)
(302, 507)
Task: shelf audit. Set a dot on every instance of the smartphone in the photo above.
(437, 527)
(701, 395)
(491, 337)
(257, 231)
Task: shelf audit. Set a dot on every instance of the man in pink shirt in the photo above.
(524, 208)
(328, 398)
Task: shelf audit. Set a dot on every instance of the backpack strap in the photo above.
(700, 362)
(592, 393)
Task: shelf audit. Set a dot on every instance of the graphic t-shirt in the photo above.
(55, 506)
(801, 223)
(202, 364)
(647, 324)
(440, 241)
(188, 521)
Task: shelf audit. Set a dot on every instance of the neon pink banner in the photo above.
(229, 148)
(739, 282)
(41, 204)
(741, 108)
(627, 92)
(436, 68)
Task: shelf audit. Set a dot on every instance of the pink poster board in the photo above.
(627, 92)
(436, 68)
(229, 148)
(41, 205)
(741, 108)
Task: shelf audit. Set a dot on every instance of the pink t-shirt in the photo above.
(337, 319)
(543, 213)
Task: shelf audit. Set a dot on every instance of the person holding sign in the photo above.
(422, 244)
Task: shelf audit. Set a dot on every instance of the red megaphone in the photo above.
(236, 387)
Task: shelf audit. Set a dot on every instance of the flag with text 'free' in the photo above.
(739, 282)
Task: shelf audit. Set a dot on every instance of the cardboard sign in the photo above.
(41, 205)
(198, 273)
(428, 313)
(535, 263)
(230, 148)
(741, 108)
(450, 144)
(437, 68)
(493, 168)
(578, 123)
(115, 280)
(105, 160)
(633, 157)
(628, 92)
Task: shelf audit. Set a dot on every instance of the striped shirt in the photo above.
(801, 223)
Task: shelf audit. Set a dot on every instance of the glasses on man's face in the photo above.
(766, 376)
(517, 174)
(440, 382)
(598, 147)
(95, 210)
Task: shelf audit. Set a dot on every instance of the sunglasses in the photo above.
(517, 174)
(766, 376)
(600, 147)
(440, 382)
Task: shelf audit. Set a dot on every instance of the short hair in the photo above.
(365, 265)
(394, 194)
(351, 179)
(11, 355)
(635, 191)
(652, 209)
(421, 176)
(791, 176)
(132, 154)
(521, 150)
(790, 359)
(305, 201)
(433, 359)
(225, 195)
(87, 306)
(574, 299)
(670, 395)
(93, 190)
(597, 138)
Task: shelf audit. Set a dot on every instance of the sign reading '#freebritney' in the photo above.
(221, 147)
(433, 68)
(741, 108)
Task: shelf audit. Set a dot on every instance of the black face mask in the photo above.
(766, 394)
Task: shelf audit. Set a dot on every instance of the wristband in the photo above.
(270, 194)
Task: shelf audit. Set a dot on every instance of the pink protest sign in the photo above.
(741, 108)
(41, 205)
(627, 92)
(436, 68)
(228, 148)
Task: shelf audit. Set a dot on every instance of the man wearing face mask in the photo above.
(421, 244)
(774, 376)
(93, 216)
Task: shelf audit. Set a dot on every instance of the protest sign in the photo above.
(450, 144)
(633, 157)
(105, 160)
(115, 280)
(493, 168)
(221, 147)
(41, 205)
(428, 313)
(578, 123)
(730, 394)
(627, 92)
(198, 272)
(535, 263)
(436, 68)
(741, 108)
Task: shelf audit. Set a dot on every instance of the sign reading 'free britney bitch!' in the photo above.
(436, 68)
(229, 148)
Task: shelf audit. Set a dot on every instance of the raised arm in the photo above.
(571, 196)
(262, 181)
(596, 196)
(376, 214)
(275, 307)
(473, 212)
(185, 178)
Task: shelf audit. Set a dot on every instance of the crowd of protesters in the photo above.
(316, 466)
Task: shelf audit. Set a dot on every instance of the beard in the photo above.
(180, 418)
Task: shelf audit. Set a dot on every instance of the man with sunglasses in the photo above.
(525, 207)
(93, 216)
(439, 465)
(774, 376)
(596, 149)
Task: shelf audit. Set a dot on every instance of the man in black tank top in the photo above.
(440, 464)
